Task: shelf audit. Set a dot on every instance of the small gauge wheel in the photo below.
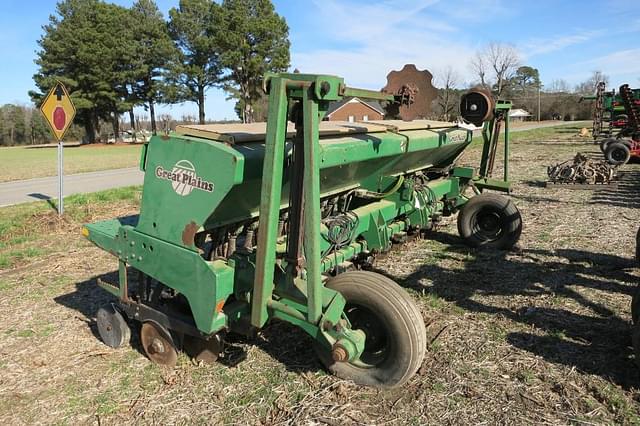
(112, 327)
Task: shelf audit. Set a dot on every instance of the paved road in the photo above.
(22, 191)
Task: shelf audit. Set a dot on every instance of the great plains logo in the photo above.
(183, 178)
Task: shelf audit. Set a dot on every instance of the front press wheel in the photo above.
(490, 220)
(112, 327)
(638, 246)
(395, 333)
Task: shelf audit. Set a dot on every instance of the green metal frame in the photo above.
(262, 283)
(490, 134)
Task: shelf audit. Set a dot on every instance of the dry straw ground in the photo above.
(538, 335)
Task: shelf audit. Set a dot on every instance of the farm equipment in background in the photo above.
(600, 113)
(609, 114)
(582, 170)
(626, 143)
(241, 224)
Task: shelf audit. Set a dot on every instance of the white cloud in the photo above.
(621, 62)
(622, 66)
(537, 46)
(479, 11)
(373, 39)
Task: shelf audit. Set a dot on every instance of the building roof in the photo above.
(374, 105)
(518, 112)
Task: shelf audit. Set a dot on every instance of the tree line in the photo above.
(24, 125)
(497, 67)
(113, 59)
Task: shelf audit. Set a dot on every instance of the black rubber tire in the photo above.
(635, 311)
(635, 307)
(638, 246)
(617, 153)
(393, 312)
(604, 143)
(500, 211)
(626, 142)
(635, 341)
(112, 327)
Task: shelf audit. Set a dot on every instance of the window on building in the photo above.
(351, 119)
(365, 118)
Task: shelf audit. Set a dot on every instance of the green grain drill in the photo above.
(243, 224)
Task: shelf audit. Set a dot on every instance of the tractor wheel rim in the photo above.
(377, 345)
(618, 155)
(489, 224)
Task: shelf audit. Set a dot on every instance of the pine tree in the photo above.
(87, 46)
(154, 50)
(253, 40)
(194, 27)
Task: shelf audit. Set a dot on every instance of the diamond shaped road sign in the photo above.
(58, 110)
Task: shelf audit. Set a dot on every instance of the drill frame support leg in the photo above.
(320, 314)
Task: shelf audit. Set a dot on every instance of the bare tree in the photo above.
(447, 80)
(588, 87)
(479, 67)
(504, 60)
(558, 86)
(501, 59)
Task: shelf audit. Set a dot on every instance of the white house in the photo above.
(519, 114)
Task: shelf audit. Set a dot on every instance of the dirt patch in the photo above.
(538, 335)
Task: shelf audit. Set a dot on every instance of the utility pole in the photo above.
(539, 87)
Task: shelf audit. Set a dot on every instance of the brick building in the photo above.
(354, 109)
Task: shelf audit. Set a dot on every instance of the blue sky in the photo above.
(362, 40)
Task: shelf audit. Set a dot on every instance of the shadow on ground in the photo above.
(285, 343)
(597, 343)
(627, 194)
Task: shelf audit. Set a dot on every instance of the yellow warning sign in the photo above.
(58, 110)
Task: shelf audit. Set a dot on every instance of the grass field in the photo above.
(537, 335)
(18, 163)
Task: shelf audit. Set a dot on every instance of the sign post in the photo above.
(60, 178)
(59, 111)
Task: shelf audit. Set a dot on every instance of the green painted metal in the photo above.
(366, 94)
(506, 146)
(491, 135)
(311, 187)
(199, 190)
(611, 111)
(270, 201)
(346, 162)
(170, 207)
